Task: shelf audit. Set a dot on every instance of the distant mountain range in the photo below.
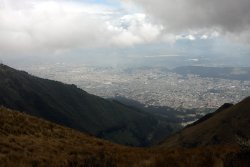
(72, 107)
(232, 73)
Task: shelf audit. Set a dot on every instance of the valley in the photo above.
(189, 94)
(68, 105)
(28, 138)
(29, 141)
(124, 83)
(150, 86)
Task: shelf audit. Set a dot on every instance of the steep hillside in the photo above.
(226, 126)
(29, 141)
(70, 106)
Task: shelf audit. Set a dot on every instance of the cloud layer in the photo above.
(57, 26)
(38, 25)
(228, 17)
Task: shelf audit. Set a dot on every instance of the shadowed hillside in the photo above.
(70, 106)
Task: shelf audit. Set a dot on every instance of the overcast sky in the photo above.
(54, 27)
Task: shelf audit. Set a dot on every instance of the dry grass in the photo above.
(29, 141)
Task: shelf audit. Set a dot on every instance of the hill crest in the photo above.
(222, 127)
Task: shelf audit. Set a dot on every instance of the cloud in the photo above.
(46, 25)
(58, 25)
(228, 17)
(135, 29)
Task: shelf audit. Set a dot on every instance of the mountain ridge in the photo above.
(30, 141)
(70, 106)
(222, 127)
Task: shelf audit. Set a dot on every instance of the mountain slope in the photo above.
(70, 106)
(29, 141)
(225, 126)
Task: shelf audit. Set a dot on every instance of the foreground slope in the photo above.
(226, 126)
(29, 141)
(70, 106)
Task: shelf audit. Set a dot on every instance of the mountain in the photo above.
(72, 107)
(29, 141)
(227, 126)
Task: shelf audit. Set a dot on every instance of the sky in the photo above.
(121, 29)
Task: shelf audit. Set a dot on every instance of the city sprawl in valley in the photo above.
(149, 86)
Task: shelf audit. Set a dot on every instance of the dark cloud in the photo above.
(231, 17)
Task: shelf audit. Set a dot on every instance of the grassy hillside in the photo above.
(70, 106)
(228, 124)
(26, 140)
(29, 141)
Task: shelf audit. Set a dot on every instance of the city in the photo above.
(149, 86)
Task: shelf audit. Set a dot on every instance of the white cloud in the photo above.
(54, 26)
(134, 29)
(204, 37)
(186, 37)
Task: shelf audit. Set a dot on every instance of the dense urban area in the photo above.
(149, 86)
